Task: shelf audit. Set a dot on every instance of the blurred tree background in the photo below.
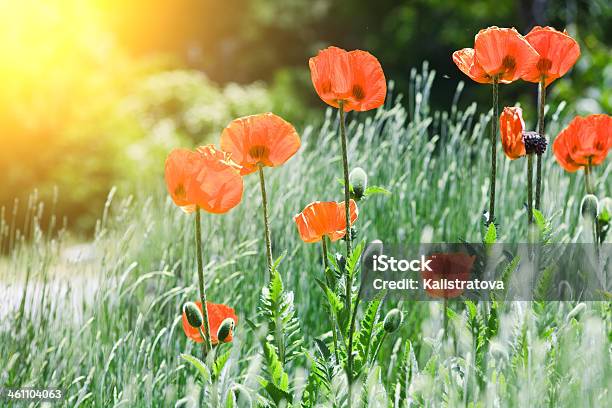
(95, 92)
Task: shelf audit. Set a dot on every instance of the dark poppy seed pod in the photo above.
(359, 181)
(392, 321)
(534, 143)
(589, 207)
(225, 329)
(194, 315)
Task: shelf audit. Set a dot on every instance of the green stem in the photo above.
(493, 150)
(348, 280)
(264, 199)
(541, 105)
(530, 188)
(587, 178)
(333, 314)
(445, 317)
(382, 340)
(198, 239)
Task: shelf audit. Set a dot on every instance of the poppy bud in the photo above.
(358, 179)
(392, 321)
(225, 329)
(605, 209)
(589, 206)
(194, 315)
(341, 261)
(534, 143)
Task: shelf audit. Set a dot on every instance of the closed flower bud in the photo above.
(359, 181)
(392, 321)
(589, 206)
(194, 315)
(341, 261)
(605, 209)
(225, 329)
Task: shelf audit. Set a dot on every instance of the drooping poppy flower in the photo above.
(353, 77)
(265, 139)
(321, 219)
(455, 267)
(217, 313)
(206, 178)
(585, 141)
(511, 127)
(498, 52)
(558, 52)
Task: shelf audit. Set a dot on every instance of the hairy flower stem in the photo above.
(207, 344)
(445, 317)
(264, 200)
(529, 188)
(493, 149)
(329, 284)
(587, 178)
(541, 105)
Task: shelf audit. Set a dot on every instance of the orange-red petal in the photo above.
(450, 267)
(180, 170)
(217, 313)
(218, 185)
(511, 127)
(265, 139)
(354, 77)
(464, 59)
(321, 219)
(585, 140)
(504, 53)
(558, 52)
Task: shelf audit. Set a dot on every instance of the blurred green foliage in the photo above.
(135, 79)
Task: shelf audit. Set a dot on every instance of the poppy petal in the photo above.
(264, 139)
(558, 52)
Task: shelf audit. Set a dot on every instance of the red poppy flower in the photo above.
(584, 141)
(217, 313)
(498, 52)
(264, 139)
(354, 77)
(511, 127)
(321, 219)
(558, 52)
(206, 178)
(455, 267)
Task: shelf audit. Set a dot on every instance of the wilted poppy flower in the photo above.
(448, 268)
(264, 139)
(206, 178)
(321, 219)
(511, 127)
(217, 313)
(558, 52)
(498, 52)
(353, 77)
(585, 141)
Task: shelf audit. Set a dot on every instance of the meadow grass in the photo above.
(106, 327)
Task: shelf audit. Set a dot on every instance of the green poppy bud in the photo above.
(359, 181)
(193, 314)
(225, 329)
(341, 261)
(589, 207)
(605, 209)
(392, 321)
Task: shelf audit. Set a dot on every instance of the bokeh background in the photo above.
(94, 93)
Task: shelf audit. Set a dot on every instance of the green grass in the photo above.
(107, 329)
